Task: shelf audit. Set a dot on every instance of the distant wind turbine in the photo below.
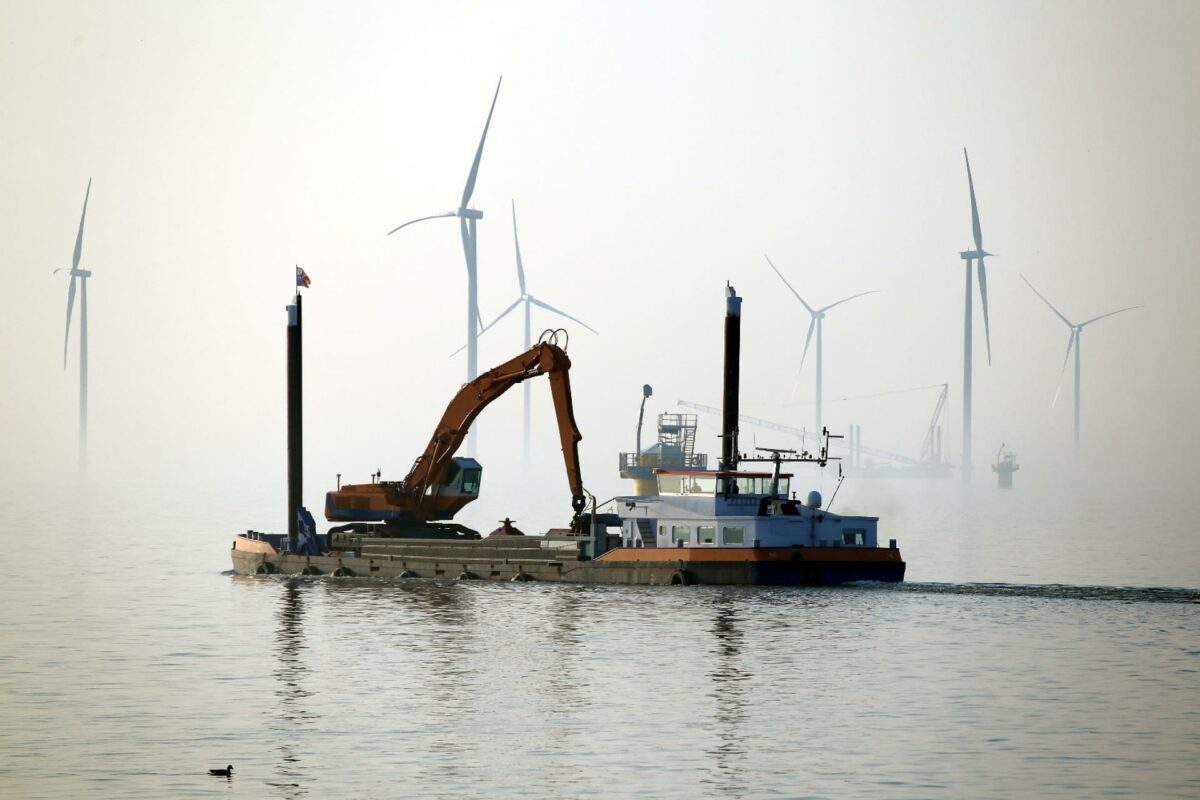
(528, 300)
(82, 275)
(467, 218)
(815, 323)
(968, 256)
(1073, 342)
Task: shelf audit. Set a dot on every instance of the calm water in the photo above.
(135, 664)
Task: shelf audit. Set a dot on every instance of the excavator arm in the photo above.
(544, 358)
(417, 497)
(568, 433)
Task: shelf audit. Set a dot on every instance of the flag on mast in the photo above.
(302, 278)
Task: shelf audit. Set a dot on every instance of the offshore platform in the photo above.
(1006, 464)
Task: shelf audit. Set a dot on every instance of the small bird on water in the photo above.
(222, 773)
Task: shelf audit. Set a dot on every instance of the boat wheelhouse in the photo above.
(700, 508)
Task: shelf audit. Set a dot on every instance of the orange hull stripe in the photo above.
(744, 554)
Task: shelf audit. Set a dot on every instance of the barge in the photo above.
(685, 525)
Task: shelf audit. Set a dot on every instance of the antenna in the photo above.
(841, 477)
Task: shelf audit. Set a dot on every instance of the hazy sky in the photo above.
(654, 151)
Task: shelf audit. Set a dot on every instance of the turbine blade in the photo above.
(795, 388)
(79, 237)
(469, 189)
(517, 242)
(847, 300)
(1109, 314)
(422, 219)
(1066, 321)
(551, 308)
(785, 283)
(811, 325)
(484, 328)
(974, 208)
(987, 331)
(70, 305)
(1066, 358)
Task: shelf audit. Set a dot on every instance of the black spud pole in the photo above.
(295, 427)
(729, 410)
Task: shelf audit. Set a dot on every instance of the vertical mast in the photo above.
(83, 371)
(471, 245)
(1078, 337)
(729, 411)
(966, 442)
(295, 427)
(820, 365)
(526, 387)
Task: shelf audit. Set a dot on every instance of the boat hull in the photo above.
(560, 560)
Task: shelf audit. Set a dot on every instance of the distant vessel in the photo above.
(684, 525)
(1006, 464)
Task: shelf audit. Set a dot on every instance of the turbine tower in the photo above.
(467, 217)
(816, 322)
(1073, 342)
(82, 275)
(528, 300)
(969, 256)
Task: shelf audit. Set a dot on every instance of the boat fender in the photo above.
(264, 568)
(680, 578)
(521, 576)
(343, 572)
(408, 573)
(310, 570)
(465, 576)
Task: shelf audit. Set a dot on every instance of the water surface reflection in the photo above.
(729, 677)
(292, 716)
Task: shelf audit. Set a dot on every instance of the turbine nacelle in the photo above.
(974, 255)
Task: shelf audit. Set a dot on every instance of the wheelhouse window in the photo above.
(706, 534)
(749, 486)
(669, 484)
(681, 533)
(854, 536)
(733, 534)
(687, 484)
(756, 484)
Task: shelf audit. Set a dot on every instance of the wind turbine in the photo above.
(467, 217)
(82, 275)
(1073, 342)
(968, 256)
(816, 322)
(528, 300)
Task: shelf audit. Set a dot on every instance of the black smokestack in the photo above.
(733, 347)
(295, 427)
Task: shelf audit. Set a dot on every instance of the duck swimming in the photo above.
(222, 773)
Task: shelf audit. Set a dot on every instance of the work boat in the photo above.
(685, 524)
(743, 527)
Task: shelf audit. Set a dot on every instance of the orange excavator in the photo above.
(439, 483)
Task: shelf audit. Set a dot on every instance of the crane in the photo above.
(931, 448)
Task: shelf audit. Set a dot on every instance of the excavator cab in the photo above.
(462, 480)
(461, 486)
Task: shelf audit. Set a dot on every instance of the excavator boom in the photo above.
(437, 485)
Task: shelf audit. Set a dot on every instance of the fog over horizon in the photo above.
(653, 152)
